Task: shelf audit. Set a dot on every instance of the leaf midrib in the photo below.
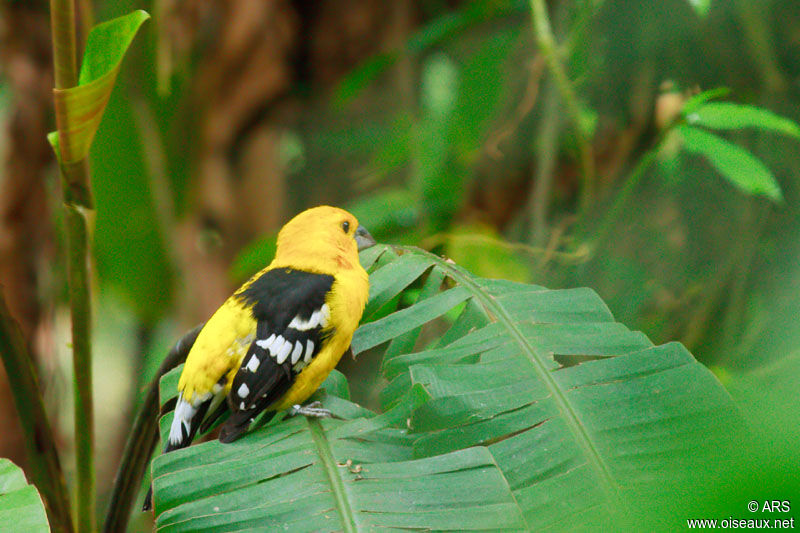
(329, 464)
(498, 313)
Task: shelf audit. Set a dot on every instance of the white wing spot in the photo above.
(309, 350)
(301, 325)
(297, 352)
(243, 391)
(265, 344)
(252, 364)
(277, 346)
(325, 317)
(241, 406)
(281, 356)
(313, 321)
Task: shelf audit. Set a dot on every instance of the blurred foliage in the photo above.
(434, 137)
(130, 250)
(672, 258)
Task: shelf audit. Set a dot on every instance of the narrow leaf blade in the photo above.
(736, 165)
(729, 116)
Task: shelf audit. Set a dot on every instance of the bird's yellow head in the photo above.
(324, 238)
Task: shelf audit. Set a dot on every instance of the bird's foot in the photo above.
(313, 410)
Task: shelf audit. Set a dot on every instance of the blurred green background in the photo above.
(439, 124)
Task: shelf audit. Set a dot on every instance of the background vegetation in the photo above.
(558, 143)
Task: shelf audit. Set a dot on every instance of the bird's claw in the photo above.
(313, 410)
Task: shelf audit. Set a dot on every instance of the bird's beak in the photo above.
(363, 239)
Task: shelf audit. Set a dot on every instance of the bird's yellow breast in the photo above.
(346, 300)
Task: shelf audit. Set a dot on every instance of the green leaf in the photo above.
(769, 399)
(480, 91)
(738, 166)
(699, 99)
(357, 80)
(728, 116)
(431, 34)
(79, 109)
(132, 255)
(107, 44)
(535, 410)
(481, 250)
(336, 385)
(20, 503)
(351, 475)
(254, 257)
(701, 7)
(573, 406)
(386, 283)
(386, 212)
(385, 329)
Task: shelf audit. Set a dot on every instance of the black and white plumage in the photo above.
(292, 315)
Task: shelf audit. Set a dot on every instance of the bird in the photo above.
(272, 343)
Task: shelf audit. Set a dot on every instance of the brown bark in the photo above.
(24, 215)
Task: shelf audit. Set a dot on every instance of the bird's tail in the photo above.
(236, 424)
(185, 424)
(148, 500)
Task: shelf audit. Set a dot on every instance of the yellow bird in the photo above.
(276, 339)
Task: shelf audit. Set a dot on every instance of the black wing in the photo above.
(290, 310)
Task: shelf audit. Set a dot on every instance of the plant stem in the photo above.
(77, 198)
(141, 441)
(86, 17)
(549, 49)
(62, 22)
(622, 197)
(40, 448)
(546, 150)
(80, 308)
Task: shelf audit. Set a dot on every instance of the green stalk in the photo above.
(603, 230)
(77, 199)
(141, 441)
(62, 23)
(80, 308)
(546, 151)
(549, 49)
(40, 447)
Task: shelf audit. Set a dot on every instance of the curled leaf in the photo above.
(79, 109)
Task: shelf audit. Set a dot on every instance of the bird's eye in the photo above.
(346, 226)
